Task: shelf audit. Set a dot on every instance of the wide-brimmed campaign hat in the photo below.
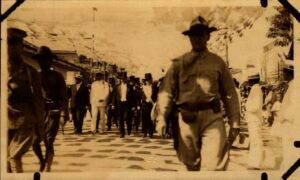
(198, 24)
(44, 52)
(15, 34)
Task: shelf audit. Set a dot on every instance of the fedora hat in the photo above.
(198, 24)
(44, 52)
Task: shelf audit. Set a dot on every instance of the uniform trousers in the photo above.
(51, 127)
(101, 109)
(19, 142)
(202, 140)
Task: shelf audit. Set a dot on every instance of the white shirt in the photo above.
(254, 104)
(148, 92)
(123, 91)
(78, 86)
(289, 112)
(99, 91)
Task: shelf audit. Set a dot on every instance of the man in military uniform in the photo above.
(196, 82)
(25, 102)
(56, 105)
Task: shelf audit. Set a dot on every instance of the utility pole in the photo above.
(226, 46)
(93, 38)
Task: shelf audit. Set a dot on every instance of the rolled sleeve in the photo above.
(166, 94)
(230, 98)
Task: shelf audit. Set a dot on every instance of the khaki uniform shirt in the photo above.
(25, 100)
(199, 77)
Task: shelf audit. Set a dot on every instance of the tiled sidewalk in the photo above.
(108, 152)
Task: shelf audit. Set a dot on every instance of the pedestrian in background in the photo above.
(124, 102)
(147, 104)
(111, 109)
(253, 116)
(197, 81)
(275, 129)
(80, 102)
(289, 123)
(25, 102)
(138, 100)
(99, 100)
(56, 105)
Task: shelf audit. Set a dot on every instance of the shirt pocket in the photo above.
(187, 81)
(208, 80)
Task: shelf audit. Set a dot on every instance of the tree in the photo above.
(281, 28)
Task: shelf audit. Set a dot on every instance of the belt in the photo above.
(54, 112)
(214, 105)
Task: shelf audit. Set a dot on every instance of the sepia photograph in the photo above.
(149, 89)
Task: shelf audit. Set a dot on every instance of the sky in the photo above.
(141, 39)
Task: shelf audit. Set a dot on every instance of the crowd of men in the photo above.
(114, 101)
(189, 103)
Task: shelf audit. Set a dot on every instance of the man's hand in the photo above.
(233, 133)
(161, 127)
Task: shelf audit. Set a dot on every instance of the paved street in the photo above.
(108, 152)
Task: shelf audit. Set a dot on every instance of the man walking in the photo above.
(80, 102)
(136, 116)
(147, 104)
(25, 102)
(196, 82)
(56, 105)
(111, 111)
(99, 99)
(124, 102)
(253, 116)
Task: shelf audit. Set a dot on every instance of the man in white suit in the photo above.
(253, 116)
(98, 98)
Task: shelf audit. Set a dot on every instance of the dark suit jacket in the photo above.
(80, 98)
(130, 96)
(153, 95)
